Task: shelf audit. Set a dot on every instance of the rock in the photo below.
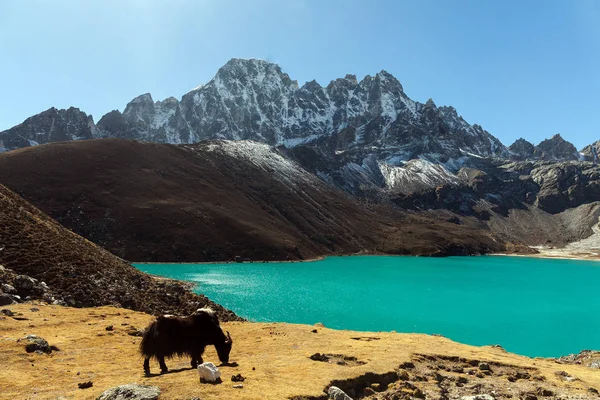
(7, 312)
(6, 299)
(545, 392)
(335, 393)
(6, 288)
(85, 385)
(37, 344)
(403, 375)
(209, 372)
(484, 366)
(24, 282)
(529, 396)
(237, 378)
(593, 390)
(238, 386)
(109, 328)
(407, 365)
(34, 309)
(314, 331)
(565, 376)
(478, 397)
(131, 391)
(319, 357)
(594, 364)
(132, 331)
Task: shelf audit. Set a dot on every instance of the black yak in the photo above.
(169, 336)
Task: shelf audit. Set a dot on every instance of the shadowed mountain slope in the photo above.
(215, 201)
(80, 273)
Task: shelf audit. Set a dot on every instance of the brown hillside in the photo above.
(158, 202)
(79, 272)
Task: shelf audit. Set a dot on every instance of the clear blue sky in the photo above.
(519, 68)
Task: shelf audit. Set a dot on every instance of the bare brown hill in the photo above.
(213, 201)
(79, 272)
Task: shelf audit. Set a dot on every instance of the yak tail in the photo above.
(148, 344)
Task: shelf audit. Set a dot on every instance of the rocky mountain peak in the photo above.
(521, 150)
(312, 86)
(590, 152)
(389, 79)
(253, 71)
(554, 149)
(52, 125)
(351, 78)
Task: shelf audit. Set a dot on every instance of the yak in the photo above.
(170, 335)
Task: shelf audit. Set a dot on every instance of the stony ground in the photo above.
(274, 358)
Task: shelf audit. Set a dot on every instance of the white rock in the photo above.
(209, 372)
(478, 397)
(132, 391)
(335, 393)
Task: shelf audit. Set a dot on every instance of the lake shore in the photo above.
(275, 360)
(558, 253)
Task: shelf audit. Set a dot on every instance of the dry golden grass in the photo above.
(278, 352)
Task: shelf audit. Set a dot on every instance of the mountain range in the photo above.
(365, 138)
(365, 133)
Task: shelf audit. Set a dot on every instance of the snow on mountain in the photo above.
(264, 157)
(415, 176)
(255, 100)
(366, 132)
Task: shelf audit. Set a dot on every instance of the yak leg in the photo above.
(147, 365)
(163, 366)
(196, 359)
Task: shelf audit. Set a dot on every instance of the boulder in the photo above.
(6, 288)
(335, 393)
(209, 372)
(131, 391)
(24, 282)
(6, 299)
(37, 344)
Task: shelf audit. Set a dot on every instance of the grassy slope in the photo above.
(278, 352)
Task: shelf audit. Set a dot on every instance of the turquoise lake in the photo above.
(530, 306)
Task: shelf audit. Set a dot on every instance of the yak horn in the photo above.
(228, 338)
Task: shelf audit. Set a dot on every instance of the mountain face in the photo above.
(556, 149)
(366, 137)
(49, 126)
(590, 152)
(521, 150)
(255, 100)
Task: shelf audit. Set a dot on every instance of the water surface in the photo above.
(530, 306)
